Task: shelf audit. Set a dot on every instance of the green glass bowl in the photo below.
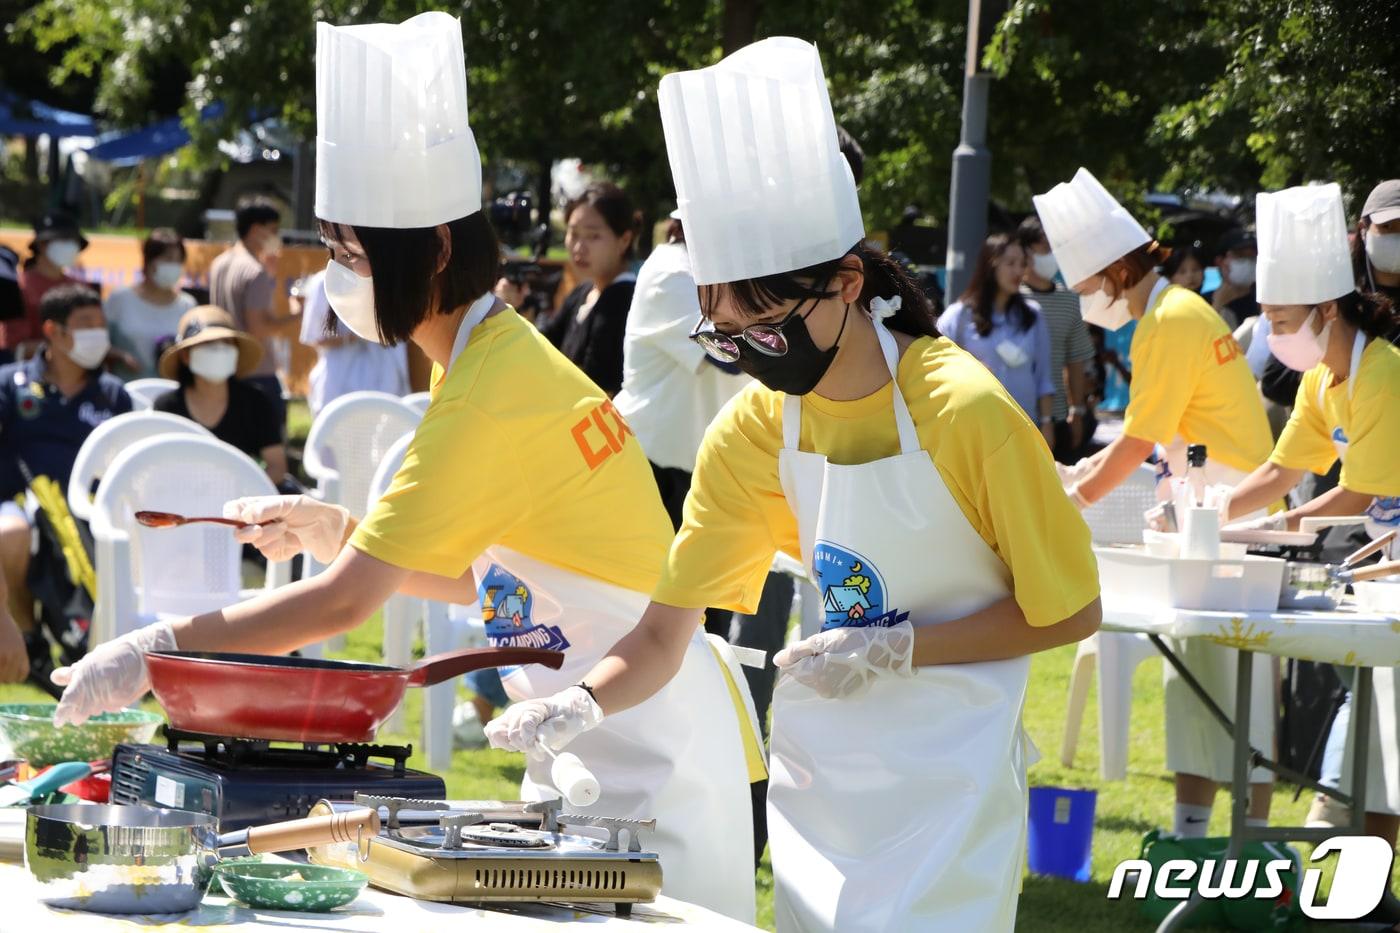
(288, 886)
(28, 730)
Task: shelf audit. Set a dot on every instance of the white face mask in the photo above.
(167, 274)
(1303, 349)
(1383, 249)
(1102, 311)
(90, 346)
(1044, 265)
(216, 362)
(1240, 271)
(352, 299)
(62, 253)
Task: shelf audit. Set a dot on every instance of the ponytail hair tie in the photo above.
(884, 308)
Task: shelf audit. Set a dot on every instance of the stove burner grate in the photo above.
(236, 751)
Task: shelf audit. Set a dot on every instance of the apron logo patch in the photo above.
(1384, 510)
(853, 591)
(506, 607)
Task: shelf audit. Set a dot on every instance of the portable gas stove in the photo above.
(248, 782)
(491, 851)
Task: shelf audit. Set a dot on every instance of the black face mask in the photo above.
(797, 371)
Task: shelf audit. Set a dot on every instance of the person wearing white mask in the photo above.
(211, 359)
(1376, 248)
(1347, 408)
(144, 314)
(49, 405)
(1191, 385)
(54, 249)
(921, 499)
(1237, 257)
(523, 487)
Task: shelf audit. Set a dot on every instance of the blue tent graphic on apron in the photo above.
(853, 591)
(506, 607)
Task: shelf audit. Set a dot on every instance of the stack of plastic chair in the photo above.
(1115, 519)
(348, 439)
(145, 574)
(444, 630)
(111, 438)
(418, 401)
(144, 392)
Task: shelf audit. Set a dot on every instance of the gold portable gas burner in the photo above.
(491, 851)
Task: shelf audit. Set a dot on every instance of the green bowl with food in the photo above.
(289, 886)
(28, 731)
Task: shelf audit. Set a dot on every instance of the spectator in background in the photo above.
(146, 313)
(55, 248)
(1185, 267)
(1234, 300)
(1070, 346)
(996, 323)
(600, 233)
(240, 284)
(211, 361)
(1375, 250)
(345, 363)
(11, 301)
(49, 404)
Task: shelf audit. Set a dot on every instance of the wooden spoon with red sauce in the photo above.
(171, 520)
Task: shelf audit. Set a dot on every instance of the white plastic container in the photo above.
(1380, 596)
(1246, 584)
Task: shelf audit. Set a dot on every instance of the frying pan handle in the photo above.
(1374, 572)
(350, 826)
(440, 667)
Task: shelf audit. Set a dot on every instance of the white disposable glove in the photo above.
(842, 662)
(1070, 475)
(1275, 522)
(283, 526)
(110, 677)
(554, 720)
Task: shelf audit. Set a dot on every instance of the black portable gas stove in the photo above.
(247, 782)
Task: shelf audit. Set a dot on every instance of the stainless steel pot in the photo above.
(129, 859)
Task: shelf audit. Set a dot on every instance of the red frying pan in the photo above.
(258, 696)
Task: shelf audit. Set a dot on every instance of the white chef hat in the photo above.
(393, 148)
(1303, 254)
(1087, 228)
(760, 179)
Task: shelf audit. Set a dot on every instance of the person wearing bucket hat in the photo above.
(55, 247)
(1191, 385)
(522, 488)
(211, 359)
(918, 495)
(1347, 408)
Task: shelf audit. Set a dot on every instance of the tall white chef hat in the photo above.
(1303, 254)
(393, 148)
(1087, 228)
(760, 179)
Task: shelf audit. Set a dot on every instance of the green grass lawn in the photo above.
(1126, 809)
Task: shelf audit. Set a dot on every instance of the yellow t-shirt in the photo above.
(520, 449)
(1368, 420)
(1190, 378)
(993, 460)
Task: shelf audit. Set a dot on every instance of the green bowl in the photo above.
(28, 729)
(288, 886)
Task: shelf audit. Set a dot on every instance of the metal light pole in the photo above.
(972, 164)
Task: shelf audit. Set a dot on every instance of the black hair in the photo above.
(855, 156)
(1371, 313)
(884, 278)
(980, 295)
(1179, 255)
(59, 303)
(253, 212)
(158, 242)
(675, 231)
(407, 284)
(613, 205)
(1030, 232)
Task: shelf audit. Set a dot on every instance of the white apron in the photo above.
(676, 758)
(1383, 762)
(903, 808)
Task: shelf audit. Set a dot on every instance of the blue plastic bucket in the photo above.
(1061, 831)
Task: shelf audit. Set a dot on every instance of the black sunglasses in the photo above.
(767, 339)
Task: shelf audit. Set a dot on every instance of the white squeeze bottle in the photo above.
(1196, 473)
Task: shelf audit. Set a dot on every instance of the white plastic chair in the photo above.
(144, 392)
(1117, 518)
(442, 632)
(347, 441)
(146, 574)
(418, 401)
(111, 438)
